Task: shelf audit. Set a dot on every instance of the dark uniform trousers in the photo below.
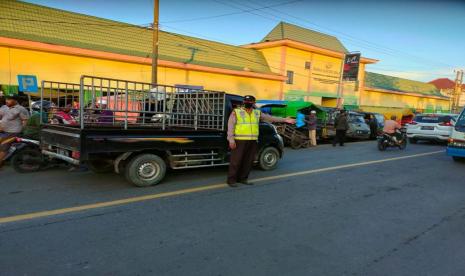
(241, 161)
(340, 137)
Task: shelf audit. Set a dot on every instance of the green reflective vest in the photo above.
(247, 125)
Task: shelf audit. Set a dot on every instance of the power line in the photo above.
(229, 14)
(230, 53)
(287, 63)
(375, 46)
(356, 42)
(215, 40)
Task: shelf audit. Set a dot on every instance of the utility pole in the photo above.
(155, 29)
(457, 91)
(340, 87)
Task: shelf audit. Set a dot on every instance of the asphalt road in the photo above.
(353, 211)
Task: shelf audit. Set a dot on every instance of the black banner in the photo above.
(351, 65)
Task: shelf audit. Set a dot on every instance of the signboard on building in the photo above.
(324, 77)
(27, 83)
(351, 65)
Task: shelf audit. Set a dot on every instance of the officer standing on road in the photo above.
(342, 125)
(312, 122)
(243, 130)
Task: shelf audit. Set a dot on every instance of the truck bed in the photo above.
(90, 141)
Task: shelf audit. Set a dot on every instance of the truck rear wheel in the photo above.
(145, 170)
(268, 159)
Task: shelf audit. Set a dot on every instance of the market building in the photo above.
(447, 88)
(289, 63)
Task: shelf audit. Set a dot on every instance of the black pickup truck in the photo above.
(129, 128)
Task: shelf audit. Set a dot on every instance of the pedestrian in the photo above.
(243, 131)
(13, 117)
(300, 120)
(342, 125)
(373, 124)
(312, 121)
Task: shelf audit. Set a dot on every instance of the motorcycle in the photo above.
(386, 141)
(25, 155)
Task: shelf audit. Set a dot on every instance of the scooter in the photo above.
(25, 155)
(386, 141)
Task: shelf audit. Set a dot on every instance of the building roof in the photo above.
(443, 83)
(32, 22)
(379, 81)
(293, 32)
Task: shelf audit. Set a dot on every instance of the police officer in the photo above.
(243, 131)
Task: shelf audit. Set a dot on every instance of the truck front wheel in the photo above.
(268, 159)
(145, 170)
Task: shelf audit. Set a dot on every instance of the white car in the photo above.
(437, 127)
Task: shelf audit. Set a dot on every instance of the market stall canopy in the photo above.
(267, 105)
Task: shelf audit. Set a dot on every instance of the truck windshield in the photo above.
(460, 124)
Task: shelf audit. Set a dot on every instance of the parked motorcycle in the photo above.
(25, 155)
(386, 141)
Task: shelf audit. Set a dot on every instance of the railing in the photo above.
(60, 102)
(106, 102)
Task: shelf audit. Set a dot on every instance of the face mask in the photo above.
(248, 105)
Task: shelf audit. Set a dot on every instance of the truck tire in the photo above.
(145, 170)
(268, 159)
(100, 166)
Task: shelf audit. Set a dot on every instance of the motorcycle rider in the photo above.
(392, 128)
(13, 117)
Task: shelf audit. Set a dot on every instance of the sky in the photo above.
(415, 39)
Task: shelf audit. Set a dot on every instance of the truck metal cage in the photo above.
(106, 102)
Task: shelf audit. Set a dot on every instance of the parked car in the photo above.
(436, 127)
(358, 128)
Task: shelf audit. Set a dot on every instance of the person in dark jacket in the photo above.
(373, 124)
(341, 124)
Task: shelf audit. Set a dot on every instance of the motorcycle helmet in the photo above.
(46, 105)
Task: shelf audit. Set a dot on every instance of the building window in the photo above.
(308, 65)
(290, 77)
